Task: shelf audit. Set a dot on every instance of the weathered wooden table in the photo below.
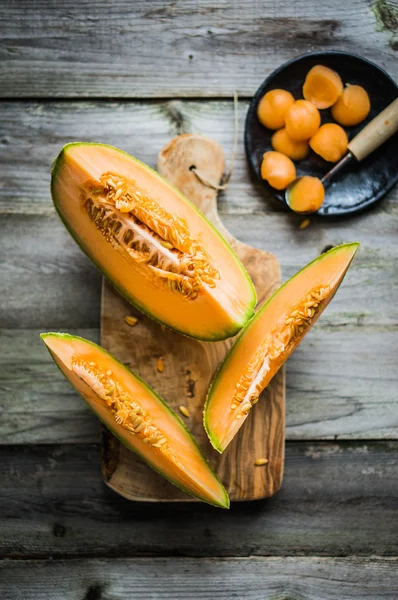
(134, 74)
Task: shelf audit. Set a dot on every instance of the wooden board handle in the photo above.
(180, 155)
(376, 132)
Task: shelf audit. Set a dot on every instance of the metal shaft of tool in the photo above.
(337, 168)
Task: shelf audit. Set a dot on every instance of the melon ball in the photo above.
(330, 142)
(322, 86)
(282, 142)
(272, 108)
(278, 170)
(302, 120)
(306, 195)
(352, 107)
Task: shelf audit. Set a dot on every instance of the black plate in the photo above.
(363, 183)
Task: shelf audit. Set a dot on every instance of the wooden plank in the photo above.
(336, 499)
(37, 403)
(46, 280)
(312, 578)
(38, 254)
(334, 389)
(162, 49)
(139, 128)
(30, 145)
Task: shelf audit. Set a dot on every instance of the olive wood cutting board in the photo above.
(189, 365)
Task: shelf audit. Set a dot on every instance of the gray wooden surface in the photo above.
(175, 48)
(337, 499)
(134, 74)
(203, 579)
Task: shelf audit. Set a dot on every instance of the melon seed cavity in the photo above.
(126, 409)
(277, 345)
(158, 243)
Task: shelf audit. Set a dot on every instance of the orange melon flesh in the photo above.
(268, 340)
(216, 313)
(178, 458)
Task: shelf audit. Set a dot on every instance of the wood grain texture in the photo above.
(167, 48)
(250, 578)
(32, 134)
(37, 404)
(337, 499)
(139, 128)
(190, 365)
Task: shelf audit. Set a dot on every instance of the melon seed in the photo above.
(129, 320)
(260, 461)
(184, 411)
(304, 223)
(160, 365)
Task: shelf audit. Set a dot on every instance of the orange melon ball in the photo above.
(302, 120)
(322, 86)
(278, 170)
(330, 142)
(352, 107)
(307, 195)
(282, 142)
(272, 108)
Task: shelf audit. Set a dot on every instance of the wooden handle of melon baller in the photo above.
(376, 132)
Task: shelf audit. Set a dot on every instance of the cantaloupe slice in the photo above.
(136, 415)
(268, 340)
(151, 242)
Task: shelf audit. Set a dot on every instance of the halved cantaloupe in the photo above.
(268, 340)
(136, 415)
(151, 242)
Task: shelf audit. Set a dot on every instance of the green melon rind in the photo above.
(213, 440)
(222, 504)
(233, 330)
